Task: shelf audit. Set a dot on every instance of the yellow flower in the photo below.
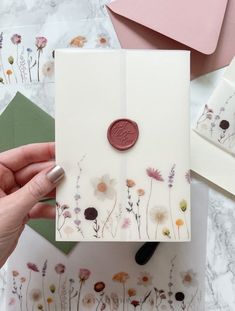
(121, 277)
(49, 300)
(131, 292)
(166, 232)
(130, 183)
(140, 192)
(179, 222)
(183, 205)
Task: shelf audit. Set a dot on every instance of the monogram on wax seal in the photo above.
(123, 134)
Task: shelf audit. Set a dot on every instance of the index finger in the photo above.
(20, 157)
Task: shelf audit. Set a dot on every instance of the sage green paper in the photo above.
(22, 122)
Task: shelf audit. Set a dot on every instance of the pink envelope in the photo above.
(136, 35)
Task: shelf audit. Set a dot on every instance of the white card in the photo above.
(138, 194)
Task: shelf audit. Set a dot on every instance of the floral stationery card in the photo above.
(105, 276)
(122, 136)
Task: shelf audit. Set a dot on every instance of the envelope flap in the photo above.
(196, 24)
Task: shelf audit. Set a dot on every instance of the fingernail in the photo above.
(55, 174)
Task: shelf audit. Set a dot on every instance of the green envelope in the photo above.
(22, 122)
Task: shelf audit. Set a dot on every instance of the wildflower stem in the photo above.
(27, 291)
(79, 295)
(186, 225)
(109, 215)
(43, 294)
(147, 208)
(39, 52)
(124, 297)
(3, 70)
(193, 297)
(173, 228)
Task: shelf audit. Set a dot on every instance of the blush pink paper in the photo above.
(195, 23)
(134, 35)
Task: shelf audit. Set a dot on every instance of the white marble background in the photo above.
(220, 272)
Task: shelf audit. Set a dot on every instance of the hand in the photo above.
(27, 174)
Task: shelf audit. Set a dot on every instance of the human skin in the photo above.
(27, 174)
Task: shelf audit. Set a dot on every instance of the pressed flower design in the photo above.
(132, 207)
(154, 174)
(63, 214)
(159, 216)
(71, 294)
(216, 123)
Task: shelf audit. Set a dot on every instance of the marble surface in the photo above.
(220, 270)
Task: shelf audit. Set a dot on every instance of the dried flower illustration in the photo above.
(40, 43)
(32, 267)
(99, 288)
(183, 207)
(130, 183)
(88, 301)
(63, 213)
(135, 303)
(154, 174)
(78, 42)
(122, 277)
(9, 73)
(171, 177)
(189, 278)
(16, 39)
(159, 216)
(17, 290)
(59, 269)
(30, 62)
(44, 270)
(131, 292)
(104, 187)
(103, 41)
(72, 293)
(179, 223)
(166, 232)
(145, 279)
(126, 223)
(83, 275)
(206, 114)
(11, 62)
(134, 208)
(3, 70)
(48, 69)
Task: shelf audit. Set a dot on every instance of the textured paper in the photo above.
(181, 264)
(216, 122)
(147, 189)
(22, 123)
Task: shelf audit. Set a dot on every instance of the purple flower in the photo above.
(40, 42)
(32, 267)
(77, 197)
(171, 176)
(77, 210)
(77, 222)
(16, 39)
(60, 268)
(67, 214)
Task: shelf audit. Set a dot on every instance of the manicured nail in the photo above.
(55, 174)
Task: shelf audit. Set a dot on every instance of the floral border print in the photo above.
(121, 292)
(147, 219)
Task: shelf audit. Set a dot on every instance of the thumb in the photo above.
(40, 185)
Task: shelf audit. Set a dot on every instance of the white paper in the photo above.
(104, 260)
(151, 88)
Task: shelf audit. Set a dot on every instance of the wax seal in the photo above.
(123, 134)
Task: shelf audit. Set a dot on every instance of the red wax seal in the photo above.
(123, 134)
